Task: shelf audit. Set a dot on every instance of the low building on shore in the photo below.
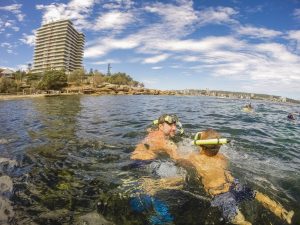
(6, 73)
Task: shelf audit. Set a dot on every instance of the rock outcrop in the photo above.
(114, 89)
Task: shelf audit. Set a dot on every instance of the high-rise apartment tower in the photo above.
(58, 46)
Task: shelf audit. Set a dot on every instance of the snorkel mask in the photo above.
(169, 119)
(214, 141)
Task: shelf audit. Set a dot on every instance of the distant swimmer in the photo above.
(291, 116)
(226, 191)
(248, 108)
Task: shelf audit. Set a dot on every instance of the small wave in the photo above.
(3, 141)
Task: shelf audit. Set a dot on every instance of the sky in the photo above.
(232, 45)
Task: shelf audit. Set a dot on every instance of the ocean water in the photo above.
(66, 160)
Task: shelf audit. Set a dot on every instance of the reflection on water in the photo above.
(65, 160)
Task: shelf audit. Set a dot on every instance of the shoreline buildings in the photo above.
(58, 46)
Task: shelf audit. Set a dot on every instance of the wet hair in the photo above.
(210, 134)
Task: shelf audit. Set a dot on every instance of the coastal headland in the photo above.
(103, 89)
(114, 89)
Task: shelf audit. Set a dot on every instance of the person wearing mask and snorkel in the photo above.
(149, 154)
(226, 192)
(158, 141)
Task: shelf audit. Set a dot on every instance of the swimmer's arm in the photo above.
(229, 177)
(219, 190)
(224, 161)
(142, 152)
(183, 162)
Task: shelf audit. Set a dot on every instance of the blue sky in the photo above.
(233, 45)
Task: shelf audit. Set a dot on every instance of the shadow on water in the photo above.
(65, 160)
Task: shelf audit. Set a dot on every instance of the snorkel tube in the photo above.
(214, 141)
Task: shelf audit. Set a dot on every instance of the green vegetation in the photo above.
(56, 80)
(7, 85)
(121, 79)
(77, 76)
(53, 80)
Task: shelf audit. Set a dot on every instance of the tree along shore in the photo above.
(54, 82)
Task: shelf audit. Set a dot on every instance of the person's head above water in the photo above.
(249, 106)
(209, 149)
(167, 124)
(291, 116)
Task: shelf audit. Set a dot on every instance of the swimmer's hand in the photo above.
(287, 216)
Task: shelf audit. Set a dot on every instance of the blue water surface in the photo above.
(72, 155)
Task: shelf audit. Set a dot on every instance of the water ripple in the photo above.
(72, 153)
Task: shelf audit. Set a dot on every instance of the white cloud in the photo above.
(105, 45)
(156, 67)
(22, 67)
(255, 9)
(124, 4)
(4, 25)
(83, 17)
(12, 8)
(257, 32)
(156, 59)
(114, 20)
(150, 82)
(28, 39)
(15, 28)
(277, 52)
(217, 15)
(270, 65)
(105, 62)
(20, 17)
(6, 45)
(205, 44)
(294, 34)
(177, 18)
(8, 23)
(77, 11)
(296, 13)
(6, 67)
(15, 9)
(170, 21)
(95, 51)
(81, 5)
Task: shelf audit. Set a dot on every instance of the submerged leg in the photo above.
(274, 207)
(240, 219)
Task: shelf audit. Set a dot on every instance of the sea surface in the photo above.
(66, 160)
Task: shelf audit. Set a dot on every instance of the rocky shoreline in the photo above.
(103, 89)
(114, 89)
